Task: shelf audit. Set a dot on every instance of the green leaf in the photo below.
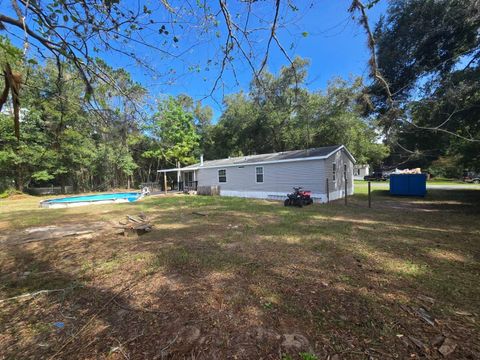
(42, 175)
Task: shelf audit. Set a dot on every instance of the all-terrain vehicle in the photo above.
(299, 197)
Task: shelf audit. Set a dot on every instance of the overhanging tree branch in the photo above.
(357, 5)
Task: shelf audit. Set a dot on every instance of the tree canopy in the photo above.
(67, 141)
(69, 117)
(429, 54)
(81, 32)
(280, 114)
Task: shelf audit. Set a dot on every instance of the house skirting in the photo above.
(317, 197)
(339, 194)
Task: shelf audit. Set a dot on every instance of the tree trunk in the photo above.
(149, 171)
(19, 179)
(62, 184)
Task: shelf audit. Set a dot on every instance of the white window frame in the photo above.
(218, 174)
(334, 171)
(263, 175)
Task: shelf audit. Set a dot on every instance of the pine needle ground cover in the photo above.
(236, 278)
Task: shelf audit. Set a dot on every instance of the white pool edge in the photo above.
(50, 205)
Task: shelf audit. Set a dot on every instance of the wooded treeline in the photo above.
(114, 133)
(106, 143)
(121, 141)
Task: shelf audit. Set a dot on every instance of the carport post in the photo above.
(369, 195)
(178, 175)
(165, 182)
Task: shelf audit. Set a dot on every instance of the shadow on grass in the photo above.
(465, 201)
(231, 283)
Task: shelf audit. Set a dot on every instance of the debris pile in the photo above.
(136, 224)
(407, 171)
(444, 342)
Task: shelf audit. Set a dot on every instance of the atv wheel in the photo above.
(286, 202)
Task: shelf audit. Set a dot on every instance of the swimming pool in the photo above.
(91, 199)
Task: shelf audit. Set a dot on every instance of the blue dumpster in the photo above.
(408, 184)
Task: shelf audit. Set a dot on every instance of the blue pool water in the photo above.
(130, 196)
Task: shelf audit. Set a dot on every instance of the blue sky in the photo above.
(335, 46)
(321, 31)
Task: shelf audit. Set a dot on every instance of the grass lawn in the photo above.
(444, 181)
(441, 181)
(251, 279)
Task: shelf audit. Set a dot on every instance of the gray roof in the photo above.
(320, 152)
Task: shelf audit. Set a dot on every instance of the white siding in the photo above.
(359, 171)
(337, 187)
(277, 178)
(280, 178)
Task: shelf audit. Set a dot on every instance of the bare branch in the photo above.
(358, 5)
(441, 129)
(272, 34)
(33, 294)
(45, 42)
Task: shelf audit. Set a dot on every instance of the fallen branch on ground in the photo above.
(131, 218)
(199, 213)
(27, 295)
(129, 308)
(169, 344)
(138, 224)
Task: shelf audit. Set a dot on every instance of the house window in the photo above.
(259, 174)
(222, 176)
(334, 172)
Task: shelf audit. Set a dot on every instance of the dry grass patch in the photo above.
(251, 279)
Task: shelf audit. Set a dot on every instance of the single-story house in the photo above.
(360, 171)
(322, 170)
